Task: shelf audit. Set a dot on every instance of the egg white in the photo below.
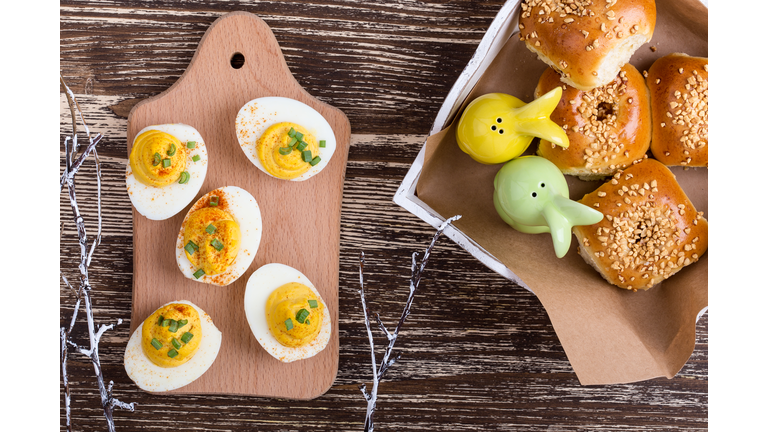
(244, 209)
(259, 114)
(153, 378)
(260, 285)
(159, 203)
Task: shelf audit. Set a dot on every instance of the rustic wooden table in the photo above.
(478, 352)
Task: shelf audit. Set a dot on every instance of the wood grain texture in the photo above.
(300, 219)
(479, 353)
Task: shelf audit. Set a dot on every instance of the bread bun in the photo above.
(679, 87)
(586, 41)
(608, 127)
(650, 231)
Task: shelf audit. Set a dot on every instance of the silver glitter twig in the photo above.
(83, 290)
(417, 270)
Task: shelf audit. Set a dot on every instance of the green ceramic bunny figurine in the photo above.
(531, 195)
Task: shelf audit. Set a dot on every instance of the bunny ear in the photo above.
(577, 213)
(560, 228)
(562, 214)
(534, 119)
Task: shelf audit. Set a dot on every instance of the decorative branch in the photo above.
(417, 270)
(84, 288)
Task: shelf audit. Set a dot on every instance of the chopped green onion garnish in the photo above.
(285, 150)
(173, 326)
(288, 324)
(302, 145)
(166, 163)
(182, 323)
(322, 143)
(214, 201)
(160, 320)
(217, 244)
(184, 177)
(195, 158)
(312, 303)
(291, 133)
(298, 135)
(301, 315)
(292, 142)
(172, 353)
(176, 344)
(198, 273)
(186, 337)
(172, 151)
(306, 155)
(156, 160)
(306, 322)
(315, 160)
(210, 229)
(191, 144)
(166, 322)
(156, 343)
(190, 248)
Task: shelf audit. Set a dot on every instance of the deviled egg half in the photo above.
(285, 138)
(172, 347)
(219, 236)
(286, 313)
(166, 169)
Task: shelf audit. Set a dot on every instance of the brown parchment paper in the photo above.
(610, 335)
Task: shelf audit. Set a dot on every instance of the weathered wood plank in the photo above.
(382, 63)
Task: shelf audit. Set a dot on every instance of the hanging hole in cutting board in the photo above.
(237, 61)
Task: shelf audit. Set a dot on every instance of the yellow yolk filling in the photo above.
(226, 233)
(282, 166)
(285, 303)
(153, 329)
(152, 146)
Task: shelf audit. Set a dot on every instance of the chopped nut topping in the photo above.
(642, 241)
(692, 112)
(560, 8)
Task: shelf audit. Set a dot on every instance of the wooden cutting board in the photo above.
(301, 220)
